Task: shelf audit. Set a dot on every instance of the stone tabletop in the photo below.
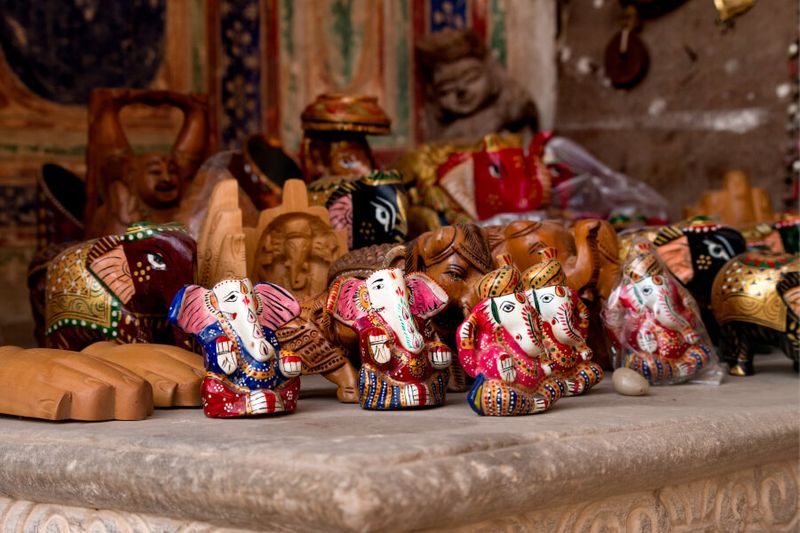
(332, 466)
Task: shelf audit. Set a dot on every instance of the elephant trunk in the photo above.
(297, 252)
(584, 272)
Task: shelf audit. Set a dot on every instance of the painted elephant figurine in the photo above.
(654, 324)
(499, 344)
(403, 363)
(588, 253)
(694, 251)
(756, 299)
(118, 288)
(247, 373)
(463, 183)
(372, 208)
(565, 325)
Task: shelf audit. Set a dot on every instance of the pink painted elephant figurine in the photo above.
(500, 345)
(235, 322)
(565, 325)
(403, 362)
(654, 324)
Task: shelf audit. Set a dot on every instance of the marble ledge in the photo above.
(685, 457)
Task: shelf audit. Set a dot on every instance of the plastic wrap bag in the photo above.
(654, 324)
(589, 189)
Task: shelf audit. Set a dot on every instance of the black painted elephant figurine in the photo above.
(756, 300)
(118, 288)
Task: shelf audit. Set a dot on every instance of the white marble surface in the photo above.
(333, 466)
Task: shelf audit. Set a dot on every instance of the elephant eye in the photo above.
(494, 170)
(156, 261)
(647, 291)
(716, 250)
(348, 162)
(547, 298)
(456, 275)
(507, 307)
(230, 298)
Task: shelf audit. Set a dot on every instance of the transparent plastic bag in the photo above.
(654, 324)
(589, 189)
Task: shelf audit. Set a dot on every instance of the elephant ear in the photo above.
(107, 262)
(427, 298)
(190, 310)
(348, 300)
(277, 307)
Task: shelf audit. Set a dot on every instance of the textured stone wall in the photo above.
(714, 98)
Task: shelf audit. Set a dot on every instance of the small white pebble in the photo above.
(629, 382)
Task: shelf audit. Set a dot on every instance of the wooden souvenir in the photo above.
(295, 248)
(198, 199)
(456, 257)
(174, 374)
(736, 204)
(654, 324)
(296, 244)
(222, 242)
(468, 92)
(247, 373)
(499, 344)
(335, 129)
(123, 187)
(588, 252)
(118, 288)
(756, 300)
(565, 325)
(292, 245)
(62, 385)
(372, 208)
(403, 363)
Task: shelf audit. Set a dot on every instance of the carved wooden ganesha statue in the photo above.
(654, 324)
(499, 344)
(247, 373)
(565, 325)
(403, 363)
(295, 246)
